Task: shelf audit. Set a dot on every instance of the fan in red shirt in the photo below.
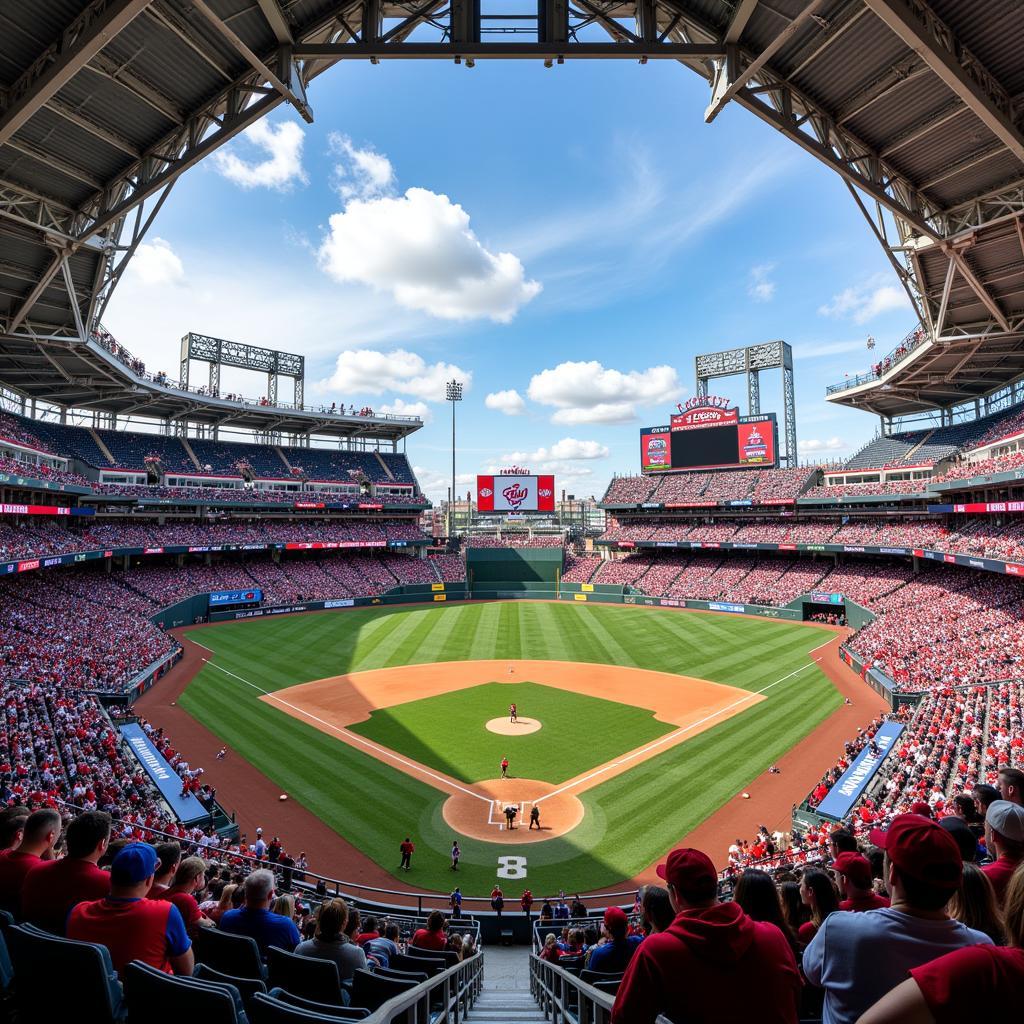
(956, 986)
(433, 936)
(854, 874)
(713, 963)
(53, 887)
(41, 831)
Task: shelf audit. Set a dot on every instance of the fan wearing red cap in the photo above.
(854, 874)
(713, 963)
(858, 958)
(617, 947)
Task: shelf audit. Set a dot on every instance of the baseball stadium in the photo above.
(293, 732)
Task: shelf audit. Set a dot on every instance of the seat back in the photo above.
(6, 967)
(403, 962)
(247, 987)
(86, 976)
(146, 989)
(338, 1012)
(237, 955)
(390, 972)
(609, 985)
(593, 977)
(268, 1010)
(304, 976)
(450, 957)
(373, 990)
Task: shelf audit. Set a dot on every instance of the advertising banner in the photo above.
(222, 597)
(852, 783)
(165, 778)
(655, 453)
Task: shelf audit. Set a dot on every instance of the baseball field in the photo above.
(635, 726)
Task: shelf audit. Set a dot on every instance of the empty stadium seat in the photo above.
(449, 957)
(266, 1009)
(415, 964)
(311, 1006)
(247, 987)
(147, 988)
(6, 967)
(305, 976)
(230, 954)
(373, 990)
(87, 977)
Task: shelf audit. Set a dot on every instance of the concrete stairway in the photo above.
(506, 995)
(502, 1007)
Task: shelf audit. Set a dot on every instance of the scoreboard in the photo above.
(515, 494)
(707, 434)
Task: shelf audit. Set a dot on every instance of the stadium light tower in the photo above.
(453, 394)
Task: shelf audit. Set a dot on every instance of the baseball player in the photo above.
(513, 715)
(456, 854)
(504, 767)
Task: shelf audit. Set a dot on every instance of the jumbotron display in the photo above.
(707, 434)
(515, 493)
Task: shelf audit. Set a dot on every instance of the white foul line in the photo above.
(670, 736)
(353, 736)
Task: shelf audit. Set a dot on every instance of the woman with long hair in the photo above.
(957, 985)
(793, 909)
(223, 904)
(818, 894)
(550, 952)
(330, 942)
(974, 904)
(285, 906)
(757, 894)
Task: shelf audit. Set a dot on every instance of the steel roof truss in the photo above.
(53, 69)
(925, 33)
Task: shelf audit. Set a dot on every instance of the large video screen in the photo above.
(515, 493)
(710, 438)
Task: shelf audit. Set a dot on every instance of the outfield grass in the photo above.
(447, 732)
(631, 820)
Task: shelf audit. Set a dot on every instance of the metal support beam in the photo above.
(96, 27)
(736, 82)
(36, 293)
(740, 17)
(978, 288)
(297, 100)
(276, 20)
(530, 51)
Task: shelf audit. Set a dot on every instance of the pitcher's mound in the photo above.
(522, 726)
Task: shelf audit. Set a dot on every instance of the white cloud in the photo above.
(399, 407)
(282, 142)
(363, 172)
(421, 249)
(812, 445)
(863, 302)
(587, 392)
(760, 288)
(567, 449)
(156, 263)
(418, 247)
(367, 371)
(508, 402)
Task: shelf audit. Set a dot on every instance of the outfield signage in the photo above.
(165, 778)
(222, 597)
(819, 598)
(855, 780)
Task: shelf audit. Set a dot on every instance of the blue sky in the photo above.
(575, 235)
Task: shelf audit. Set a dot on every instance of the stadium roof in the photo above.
(916, 105)
(84, 375)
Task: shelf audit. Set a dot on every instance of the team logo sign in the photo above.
(515, 495)
(544, 493)
(486, 492)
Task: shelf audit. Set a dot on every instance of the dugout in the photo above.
(486, 566)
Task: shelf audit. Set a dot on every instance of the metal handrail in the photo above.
(460, 985)
(910, 344)
(564, 999)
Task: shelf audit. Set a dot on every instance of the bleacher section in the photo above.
(222, 457)
(73, 442)
(130, 450)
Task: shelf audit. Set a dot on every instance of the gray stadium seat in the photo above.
(247, 987)
(230, 954)
(268, 1010)
(305, 976)
(147, 988)
(310, 1006)
(373, 990)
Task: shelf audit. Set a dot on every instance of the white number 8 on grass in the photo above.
(511, 867)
